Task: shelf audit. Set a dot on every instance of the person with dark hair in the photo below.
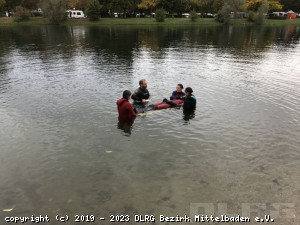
(178, 94)
(141, 95)
(125, 109)
(189, 100)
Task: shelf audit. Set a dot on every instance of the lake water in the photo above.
(63, 153)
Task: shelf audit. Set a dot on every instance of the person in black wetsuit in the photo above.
(189, 104)
(141, 95)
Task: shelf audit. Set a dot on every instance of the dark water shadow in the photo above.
(188, 115)
(126, 126)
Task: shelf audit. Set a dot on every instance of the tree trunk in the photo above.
(112, 13)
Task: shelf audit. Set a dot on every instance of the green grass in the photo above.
(9, 21)
(268, 22)
(144, 21)
(147, 21)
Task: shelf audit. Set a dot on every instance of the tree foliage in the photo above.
(173, 7)
(291, 5)
(250, 16)
(229, 7)
(22, 14)
(160, 15)
(259, 17)
(54, 10)
(79, 4)
(236, 5)
(217, 5)
(275, 5)
(2, 5)
(93, 11)
(11, 4)
(193, 16)
(148, 5)
(223, 15)
(108, 7)
(125, 6)
(166, 5)
(254, 5)
(30, 4)
(203, 6)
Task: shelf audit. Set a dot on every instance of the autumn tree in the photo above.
(217, 5)
(254, 5)
(275, 5)
(30, 4)
(79, 4)
(148, 5)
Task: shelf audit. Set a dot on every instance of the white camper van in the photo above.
(75, 13)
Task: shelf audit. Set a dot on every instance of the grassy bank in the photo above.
(4, 21)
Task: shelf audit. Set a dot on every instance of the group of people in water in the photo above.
(141, 97)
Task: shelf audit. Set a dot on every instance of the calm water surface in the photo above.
(61, 150)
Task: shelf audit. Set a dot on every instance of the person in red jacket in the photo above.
(125, 109)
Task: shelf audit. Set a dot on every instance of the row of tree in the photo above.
(181, 6)
(176, 7)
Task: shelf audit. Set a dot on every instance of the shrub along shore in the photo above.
(5, 21)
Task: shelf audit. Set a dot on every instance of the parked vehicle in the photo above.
(75, 14)
(36, 12)
(186, 15)
(278, 13)
(238, 15)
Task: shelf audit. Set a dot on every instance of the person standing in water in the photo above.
(141, 95)
(125, 109)
(189, 100)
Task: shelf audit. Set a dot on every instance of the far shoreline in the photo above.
(39, 21)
